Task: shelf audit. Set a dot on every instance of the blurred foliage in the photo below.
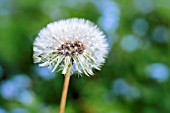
(135, 77)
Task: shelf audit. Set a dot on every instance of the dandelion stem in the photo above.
(65, 90)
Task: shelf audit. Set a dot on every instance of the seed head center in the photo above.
(71, 48)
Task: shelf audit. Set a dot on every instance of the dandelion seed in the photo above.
(70, 41)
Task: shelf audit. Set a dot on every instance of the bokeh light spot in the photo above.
(8, 90)
(2, 110)
(44, 73)
(121, 88)
(19, 110)
(25, 97)
(109, 19)
(144, 6)
(130, 43)
(158, 71)
(21, 81)
(140, 27)
(17, 89)
(160, 34)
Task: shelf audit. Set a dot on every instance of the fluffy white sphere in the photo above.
(72, 41)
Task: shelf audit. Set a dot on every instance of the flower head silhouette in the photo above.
(72, 41)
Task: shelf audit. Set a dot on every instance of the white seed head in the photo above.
(71, 41)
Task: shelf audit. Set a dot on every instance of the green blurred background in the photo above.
(134, 79)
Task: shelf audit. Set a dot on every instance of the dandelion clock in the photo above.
(72, 46)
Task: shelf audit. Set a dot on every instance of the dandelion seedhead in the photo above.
(72, 41)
